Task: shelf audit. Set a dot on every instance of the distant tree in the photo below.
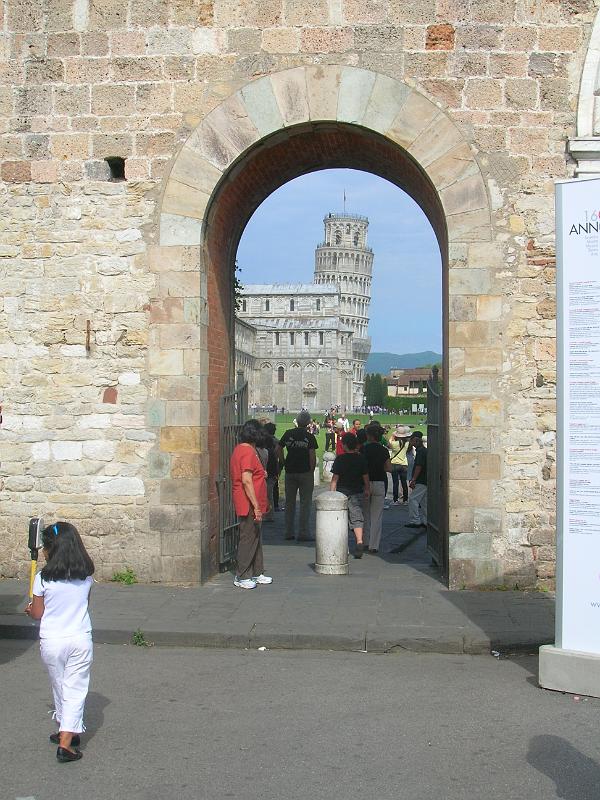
(237, 288)
(367, 389)
(381, 391)
(375, 390)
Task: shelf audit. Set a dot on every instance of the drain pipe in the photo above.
(332, 534)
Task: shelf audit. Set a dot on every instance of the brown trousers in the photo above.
(249, 561)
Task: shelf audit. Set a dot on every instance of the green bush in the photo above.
(405, 403)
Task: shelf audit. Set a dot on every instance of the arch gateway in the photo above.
(116, 324)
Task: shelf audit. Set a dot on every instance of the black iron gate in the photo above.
(437, 512)
(233, 414)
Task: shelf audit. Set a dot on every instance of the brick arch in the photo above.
(269, 132)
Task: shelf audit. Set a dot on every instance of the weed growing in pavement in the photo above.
(139, 639)
(127, 577)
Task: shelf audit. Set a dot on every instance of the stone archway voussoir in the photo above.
(322, 89)
(441, 136)
(192, 169)
(225, 133)
(184, 200)
(355, 91)
(385, 103)
(415, 116)
(291, 95)
(262, 107)
(457, 164)
(468, 194)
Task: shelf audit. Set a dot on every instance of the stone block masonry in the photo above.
(115, 340)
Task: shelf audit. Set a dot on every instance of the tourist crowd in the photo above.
(363, 458)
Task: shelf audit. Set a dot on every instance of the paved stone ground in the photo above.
(207, 724)
(389, 602)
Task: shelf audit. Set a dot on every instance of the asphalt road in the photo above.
(188, 723)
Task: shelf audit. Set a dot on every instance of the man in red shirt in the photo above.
(249, 491)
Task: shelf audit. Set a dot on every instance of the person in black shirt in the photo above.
(378, 461)
(272, 468)
(417, 502)
(329, 433)
(350, 476)
(299, 463)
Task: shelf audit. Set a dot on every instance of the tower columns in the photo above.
(345, 260)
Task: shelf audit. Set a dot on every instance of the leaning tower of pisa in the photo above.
(344, 260)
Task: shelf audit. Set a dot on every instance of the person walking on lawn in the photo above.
(350, 476)
(300, 463)
(417, 502)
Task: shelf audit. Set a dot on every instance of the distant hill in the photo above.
(384, 362)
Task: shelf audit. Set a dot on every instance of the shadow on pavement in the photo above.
(512, 621)
(94, 714)
(10, 649)
(12, 604)
(575, 776)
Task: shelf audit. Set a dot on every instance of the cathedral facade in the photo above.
(305, 345)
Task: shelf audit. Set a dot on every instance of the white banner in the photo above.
(578, 332)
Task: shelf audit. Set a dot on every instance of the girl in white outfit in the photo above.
(60, 600)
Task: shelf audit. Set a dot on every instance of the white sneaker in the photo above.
(264, 580)
(244, 583)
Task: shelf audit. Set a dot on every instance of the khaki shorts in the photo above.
(356, 517)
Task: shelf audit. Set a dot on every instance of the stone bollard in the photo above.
(317, 479)
(328, 459)
(332, 534)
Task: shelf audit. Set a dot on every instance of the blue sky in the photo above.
(279, 241)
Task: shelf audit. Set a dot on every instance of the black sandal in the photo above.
(63, 755)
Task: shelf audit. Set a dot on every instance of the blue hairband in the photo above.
(55, 529)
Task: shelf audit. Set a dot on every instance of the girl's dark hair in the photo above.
(252, 432)
(67, 558)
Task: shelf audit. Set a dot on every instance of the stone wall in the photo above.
(104, 357)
